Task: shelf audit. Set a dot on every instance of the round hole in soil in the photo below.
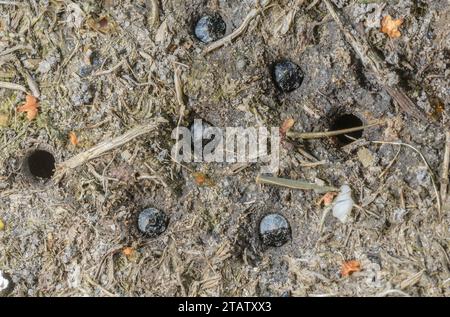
(41, 164)
(347, 121)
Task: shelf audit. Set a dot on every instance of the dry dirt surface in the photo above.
(98, 69)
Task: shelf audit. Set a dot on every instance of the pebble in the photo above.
(274, 230)
(152, 222)
(210, 28)
(287, 76)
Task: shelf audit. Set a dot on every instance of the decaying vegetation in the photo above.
(102, 84)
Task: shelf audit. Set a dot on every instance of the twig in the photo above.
(10, 2)
(327, 134)
(438, 198)
(16, 48)
(109, 145)
(180, 97)
(445, 166)
(370, 60)
(311, 5)
(30, 81)
(111, 70)
(13, 86)
(295, 184)
(241, 29)
(390, 163)
(155, 12)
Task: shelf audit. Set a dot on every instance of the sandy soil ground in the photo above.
(101, 68)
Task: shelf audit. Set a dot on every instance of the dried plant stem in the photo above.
(180, 98)
(6, 85)
(111, 70)
(16, 48)
(436, 191)
(241, 29)
(327, 134)
(445, 166)
(10, 2)
(109, 145)
(371, 61)
(155, 13)
(294, 184)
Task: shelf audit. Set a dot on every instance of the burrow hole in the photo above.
(347, 121)
(41, 164)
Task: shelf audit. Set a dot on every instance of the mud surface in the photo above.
(103, 67)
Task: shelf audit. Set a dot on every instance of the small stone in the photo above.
(274, 230)
(152, 222)
(287, 76)
(210, 28)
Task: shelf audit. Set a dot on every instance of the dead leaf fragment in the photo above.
(128, 251)
(390, 26)
(202, 179)
(30, 107)
(350, 267)
(73, 138)
(327, 199)
(2, 225)
(287, 125)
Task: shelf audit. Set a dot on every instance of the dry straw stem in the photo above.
(294, 184)
(445, 166)
(327, 134)
(436, 191)
(12, 86)
(371, 61)
(109, 145)
(263, 4)
(155, 13)
(10, 2)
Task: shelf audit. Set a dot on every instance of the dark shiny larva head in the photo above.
(274, 230)
(287, 75)
(210, 28)
(152, 222)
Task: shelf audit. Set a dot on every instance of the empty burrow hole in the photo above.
(39, 164)
(346, 121)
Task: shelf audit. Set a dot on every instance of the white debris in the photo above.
(4, 282)
(49, 62)
(343, 204)
(285, 24)
(76, 16)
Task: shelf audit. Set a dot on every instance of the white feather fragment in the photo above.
(343, 204)
(4, 282)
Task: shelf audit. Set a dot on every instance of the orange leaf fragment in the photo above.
(390, 26)
(30, 106)
(350, 267)
(128, 251)
(327, 199)
(287, 125)
(202, 179)
(73, 138)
